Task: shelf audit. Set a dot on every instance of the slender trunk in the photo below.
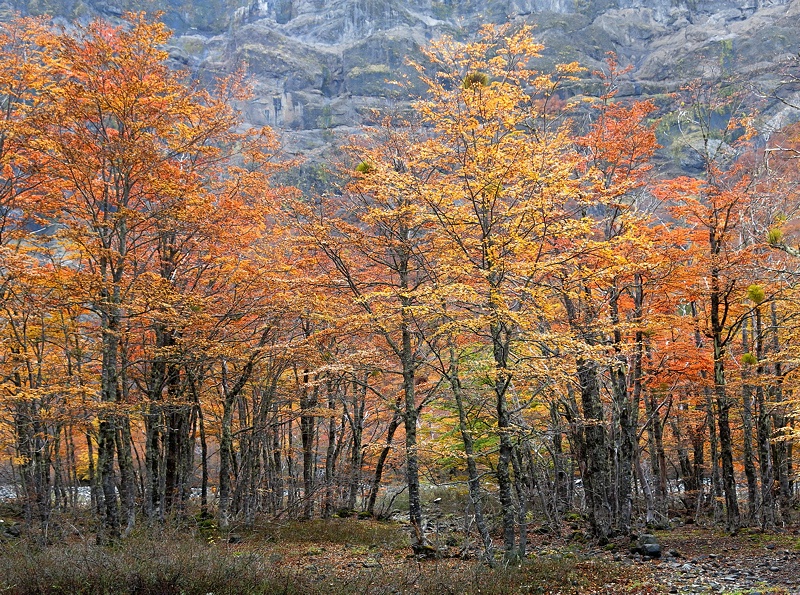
(194, 391)
(764, 430)
(718, 313)
(698, 457)
(409, 367)
(108, 430)
(152, 456)
(560, 476)
(289, 457)
(655, 438)
(95, 491)
(356, 446)
(716, 479)
(522, 489)
(687, 475)
(747, 439)
(636, 398)
(782, 453)
(716, 475)
(330, 463)
(649, 497)
(732, 516)
(225, 456)
(473, 478)
(502, 382)
(277, 461)
(384, 454)
(308, 401)
(127, 475)
(410, 419)
(105, 467)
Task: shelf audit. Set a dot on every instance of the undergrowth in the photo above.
(168, 562)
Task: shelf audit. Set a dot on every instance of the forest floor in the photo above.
(368, 557)
(695, 560)
(705, 560)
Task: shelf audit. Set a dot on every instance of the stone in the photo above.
(424, 550)
(371, 564)
(651, 550)
(648, 546)
(319, 68)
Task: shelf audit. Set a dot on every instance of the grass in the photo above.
(344, 556)
(138, 565)
(339, 531)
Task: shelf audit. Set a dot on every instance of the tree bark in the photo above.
(596, 479)
(384, 454)
(753, 496)
(308, 401)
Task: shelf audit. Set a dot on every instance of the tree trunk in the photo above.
(625, 413)
(356, 418)
(718, 314)
(655, 436)
(308, 401)
(110, 323)
(781, 449)
(330, 462)
(127, 475)
(410, 420)
(225, 460)
(747, 439)
(473, 478)
(764, 430)
(561, 479)
(502, 382)
(596, 479)
(384, 454)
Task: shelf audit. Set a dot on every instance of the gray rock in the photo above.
(651, 550)
(327, 63)
(648, 546)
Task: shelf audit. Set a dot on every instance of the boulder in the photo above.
(647, 545)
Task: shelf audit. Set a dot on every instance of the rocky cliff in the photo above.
(318, 66)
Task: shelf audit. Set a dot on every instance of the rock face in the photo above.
(319, 66)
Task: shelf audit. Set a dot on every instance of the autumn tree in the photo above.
(721, 210)
(29, 295)
(372, 240)
(502, 177)
(138, 162)
(603, 292)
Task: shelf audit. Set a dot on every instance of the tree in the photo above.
(501, 178)
(372, 240)
(134, 158)
(715, 209)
